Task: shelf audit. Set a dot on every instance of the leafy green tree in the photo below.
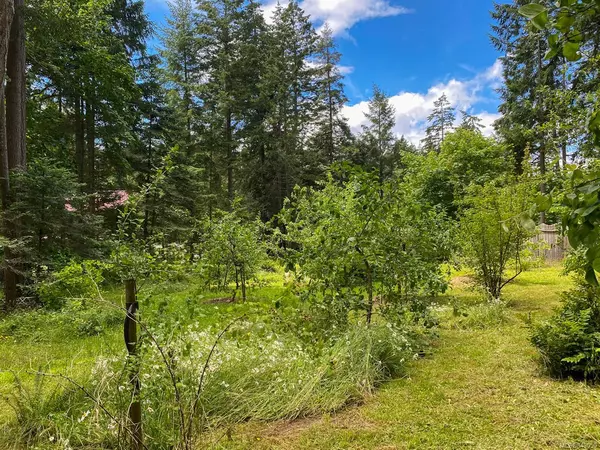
(472, 158)
(574, 31)
(491, 234)
(235, 250)
(359, 241)
(441, 121)
(465, 158)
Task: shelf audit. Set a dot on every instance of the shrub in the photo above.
(569, 343)
(493, 232)
(77, 280)
(362, 243)
(73, 320)
(234, 251)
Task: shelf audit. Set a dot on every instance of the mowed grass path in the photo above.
(479, 389)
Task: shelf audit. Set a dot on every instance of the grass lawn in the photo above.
(480, 389)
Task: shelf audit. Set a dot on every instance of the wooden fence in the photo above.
(556, 245)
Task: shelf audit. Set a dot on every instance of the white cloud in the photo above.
(341, 15)
(412, 108)
(346, 70)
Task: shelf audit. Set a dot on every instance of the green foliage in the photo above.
(569, 342)
(76, 281)
(363, 240)
(492, 232)
(76, 318)
(466, 157)
(52, 216)
(253, 375)
(234, 250)
(582, 219)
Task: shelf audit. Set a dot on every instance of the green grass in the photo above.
(40, 342)
(479, 389)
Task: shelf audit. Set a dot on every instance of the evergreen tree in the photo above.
(332, 128)
(183, 65)
(441, 121)
(228, 34)
(289, 84)
(378, 140)
(471, 122)
(527, 80)
(530, 81)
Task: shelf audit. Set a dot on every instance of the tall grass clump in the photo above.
(197, 379)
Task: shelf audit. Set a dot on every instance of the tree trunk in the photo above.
(243, 277)
(7, 11)
(15, 92)
(90, 119)
(15, 156)
(543, 183)
(229, 143)
(6, 16)
(4, 177)
(79, 139)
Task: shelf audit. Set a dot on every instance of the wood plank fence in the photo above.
(555, 247)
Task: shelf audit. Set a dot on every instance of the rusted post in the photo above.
(131, 340)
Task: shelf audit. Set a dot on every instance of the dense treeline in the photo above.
(239, 107)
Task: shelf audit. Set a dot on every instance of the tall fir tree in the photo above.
(471, 122)
(333, 132)
(441, 121)
(228, 31)
(377, 141)
(289, 83)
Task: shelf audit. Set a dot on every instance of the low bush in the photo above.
(77, 280)
(72, 320)
(569, 343)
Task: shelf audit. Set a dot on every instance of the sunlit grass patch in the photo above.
(480, 388)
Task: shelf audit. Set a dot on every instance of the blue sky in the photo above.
(415, 50)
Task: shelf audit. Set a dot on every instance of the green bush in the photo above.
(78, 280)
(569, 343)
(363, 244)
(493, 233)
(234, 252)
